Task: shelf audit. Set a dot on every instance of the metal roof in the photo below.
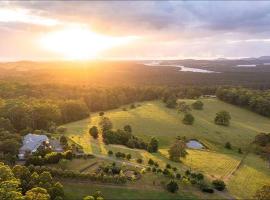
(32, 141)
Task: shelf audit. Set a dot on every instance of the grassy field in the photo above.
(75, 191)
(154, 119)
(253, 174)
(206, 162)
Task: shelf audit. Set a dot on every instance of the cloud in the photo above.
(24, 16)
(168, 28)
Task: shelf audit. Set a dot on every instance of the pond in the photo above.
(194, 144)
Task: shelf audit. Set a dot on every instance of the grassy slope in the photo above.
(153, 119)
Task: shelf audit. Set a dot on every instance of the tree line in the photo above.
(255, 100)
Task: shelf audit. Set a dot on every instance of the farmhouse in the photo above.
(31, 142)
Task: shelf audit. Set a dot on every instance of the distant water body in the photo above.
(245, 65)
(182, 68)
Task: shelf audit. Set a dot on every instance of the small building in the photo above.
(56, 146)
(31, 142)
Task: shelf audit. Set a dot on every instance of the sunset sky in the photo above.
(56, 30)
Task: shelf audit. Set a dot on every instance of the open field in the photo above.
(206, 162)
(253, 174)
(78, 191)
(154, 119)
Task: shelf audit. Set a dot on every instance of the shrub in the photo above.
(128, 156)
(178, 176)
(228, 145)
(208, 190)
(139, 160)
(172, 186)
(198, 105)
(200, 176)
(187, 172)
(219, 184)
(150, 162)
(188, 119)
(132, 106)
(110, 153)
(240, 151)
(101, 113)
(120, 155)
(166, 172)
(168, 166)
(174, 169)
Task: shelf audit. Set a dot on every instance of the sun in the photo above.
(80, 43)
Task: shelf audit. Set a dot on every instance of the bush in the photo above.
(208, 190)
(110, 153)
(101, 113)
(150, 162)
(168, 166)
(219, 185)
(93, 131)
(139, 160)
(120, 155)
(198, 105)
(132, 106)
(240, 151)
(166, 172)
(172, 186)
(128, 156)
(188, 119)
(178, 176)
(200, 176)
(228, 145)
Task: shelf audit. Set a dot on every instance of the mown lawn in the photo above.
(76, 191)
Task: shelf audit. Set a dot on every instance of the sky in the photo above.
(56, 30)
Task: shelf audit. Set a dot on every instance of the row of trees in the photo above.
(97, 177)
(255, 100)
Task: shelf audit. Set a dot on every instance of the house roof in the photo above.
(32, 141)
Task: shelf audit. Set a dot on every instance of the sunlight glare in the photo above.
(80, 43)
